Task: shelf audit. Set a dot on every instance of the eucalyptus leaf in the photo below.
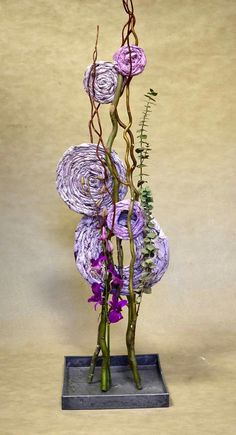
(141, 182)
(151, 235)
(139, 150)
(143, 264)
(153, 92)
(148, 262)
(151, 248)
(148, 96)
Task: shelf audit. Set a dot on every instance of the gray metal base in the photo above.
(78, 394)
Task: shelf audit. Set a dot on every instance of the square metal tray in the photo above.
(78, 394)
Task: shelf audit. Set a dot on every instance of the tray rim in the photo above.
(157, 363)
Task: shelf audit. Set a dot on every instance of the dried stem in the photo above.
(132, 317)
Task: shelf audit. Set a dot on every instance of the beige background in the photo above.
(190, 317)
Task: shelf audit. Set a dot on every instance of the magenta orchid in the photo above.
(98, 263)
(116, 305)
(116, 279)
(97, 294)
(104, 234)
(104, 238)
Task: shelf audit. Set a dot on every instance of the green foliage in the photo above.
(143, 149)
(148, 250)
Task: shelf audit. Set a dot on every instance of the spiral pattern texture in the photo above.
(105, 82)
(119, 227)
(81, 181)
(122, 60)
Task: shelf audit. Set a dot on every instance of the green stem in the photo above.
(109, 351)
(141, 141)
(113, 108)
(114, 120)
(120, 255)
(93, 362)
(130, 341)
(112, 136)
(105, 377)
(132, 319)
(132, 316)
(104, 327)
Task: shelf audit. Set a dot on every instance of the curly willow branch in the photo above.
(130, 23)
(129, 139)
(98, 130)
(103, 333)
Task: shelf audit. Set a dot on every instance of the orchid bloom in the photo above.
(103, 234)
(116, 280)
(116, 307)
(104, 237)
(97, 294)
(98, 263)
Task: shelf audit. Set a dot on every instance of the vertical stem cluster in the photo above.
(132, 316)
(103, 340)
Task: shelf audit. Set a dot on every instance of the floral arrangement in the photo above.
(94, 181)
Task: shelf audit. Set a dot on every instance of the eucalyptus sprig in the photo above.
(143, 148)
(148, 250)
(146, 198)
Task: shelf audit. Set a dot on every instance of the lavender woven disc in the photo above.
(87, 246)
(122, 60)
(103, 87)
(81, 179)
(119, 227)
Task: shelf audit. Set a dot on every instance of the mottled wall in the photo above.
(45, 47)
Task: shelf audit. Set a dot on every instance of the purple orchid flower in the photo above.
(103, 234)
(97, 294)
(98, 263)
(116, 307)
(104, 237)
(116, 279)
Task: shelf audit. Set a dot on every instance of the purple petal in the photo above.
(94, 263)
(103, 234)
(102, 257)
(114, 317)
(111, 268)
(116, 280)
(97, 288)
(91, 299)
(97, 303)
(122, 304)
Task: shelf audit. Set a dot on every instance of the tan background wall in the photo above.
(190, 317)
